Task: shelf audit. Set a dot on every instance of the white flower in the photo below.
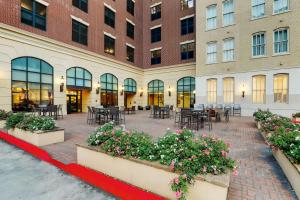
(162, 156)
(297, 138)
(168, 129)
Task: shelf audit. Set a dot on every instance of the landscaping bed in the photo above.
(36, 130)
(176, 166)
(283, 136)
(3, 117)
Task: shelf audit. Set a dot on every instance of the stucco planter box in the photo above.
(291, 171)
(39, 138)
(152, 177)
(296, 119)
(258, 125)
(2, 124)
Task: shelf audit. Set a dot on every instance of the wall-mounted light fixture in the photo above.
(243, 91)
(62, 84)
(98, 88)
(141, 92)
(169, 91)
(194, 92)
(122, 90)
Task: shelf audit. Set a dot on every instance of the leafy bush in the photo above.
(296, 115)
(261, 115)
(14, 119)
(182, 151)
(4, 114)
(36, 123)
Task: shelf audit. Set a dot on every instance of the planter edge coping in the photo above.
(221, 180)
(41, 131)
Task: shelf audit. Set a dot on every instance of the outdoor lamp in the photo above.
(243, 90)
(98, 88)
(194, 92)
(62, 84)
(169, 91)
(122, 90)
(141, 92)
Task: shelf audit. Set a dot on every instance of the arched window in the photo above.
(156, 93)
(185, 92)
(130, 85)
(109, 90)
(281, 88)
(78, 77)
(32, 83)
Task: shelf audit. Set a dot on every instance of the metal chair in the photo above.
(237, 110)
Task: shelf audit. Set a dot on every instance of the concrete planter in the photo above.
(296, 119)
(2, 124)
(291, 171)
(150, 176)
(258, 125)
(39, 138)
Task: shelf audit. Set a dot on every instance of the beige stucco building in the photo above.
(250, 48)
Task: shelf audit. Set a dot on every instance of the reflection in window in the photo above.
(79, 77)
(185, 92)
(156, 93)
(32, 83)
(130, 85)
(281, 88)
(259, 89)
(228, 90)
(109, 90)
(212, 91)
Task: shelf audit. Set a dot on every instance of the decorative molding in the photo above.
(109, 35)
(131, 22)
(109, 6)
(154, 49)
(130, 45)
(156, 4)
(80, 20)
(187, 42)
(157, 26)
(186, 17)
(42, 2)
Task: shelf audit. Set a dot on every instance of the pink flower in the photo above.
(207, 152)
(176, 181)
(184, 176)
(204, 169)
(224, 153)
(172, 165)
(179, 132)
(235, 172)
(204, 135)
(178, 194)
(228, 145)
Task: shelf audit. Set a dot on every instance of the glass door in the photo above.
(74, 101)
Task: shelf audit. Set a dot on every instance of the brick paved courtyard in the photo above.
(260, 177)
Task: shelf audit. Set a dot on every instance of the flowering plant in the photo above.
(182, 151)
(4, 115)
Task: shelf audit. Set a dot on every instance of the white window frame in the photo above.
(287, 89)
(215, 92)
(228, 92)
(210, 53)
(227, 50)
(256, 91)
(288, 8)
(265, 45)
(215, 17)
(223, 14)
(257, 5)
(288, 41)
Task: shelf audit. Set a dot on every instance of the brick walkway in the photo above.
(260, 177)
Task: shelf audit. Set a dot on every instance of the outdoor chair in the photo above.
(199, 107)
(219, 106)
(152, 111)
(90, 116)
(185, 118)
(209, 106)
(237, 110)
(171, 112)
(177, 116)
(229, 108)
(208, 120)
(226, 115)
(52, 109)
(133, 110)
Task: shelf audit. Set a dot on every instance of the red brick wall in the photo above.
(59, 27)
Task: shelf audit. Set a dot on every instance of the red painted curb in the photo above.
(115, 187)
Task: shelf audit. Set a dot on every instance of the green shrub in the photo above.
(297, 115)
(13, 119)
(4, 114)
(182, 151)
(36, 123)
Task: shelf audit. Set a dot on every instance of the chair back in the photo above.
(209, 106)
(219, 106)
(198, 106)
(237, 107)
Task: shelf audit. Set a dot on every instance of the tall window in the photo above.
(32, 83)
(79, 32)
(258, 44)
(212, 91)
(228, 90)
(130, 30)
(185, 92)
(130, 85)
(280, 6)
(109, 45)
(130, 53)
(79, 77)
(211, 52)
(109, 17)
(211, 17)
(187, 50)
(156, 93)
(81, 4)
(228, 13)
(156, 57)
(186, 4)
(130, 6)
(156, 34)
(281, 41)
(258, 8)
(155, 12)
(228, 49)
(259, 89)
(109, 90)
(187, 26)
(281, 88)
(33, 14)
